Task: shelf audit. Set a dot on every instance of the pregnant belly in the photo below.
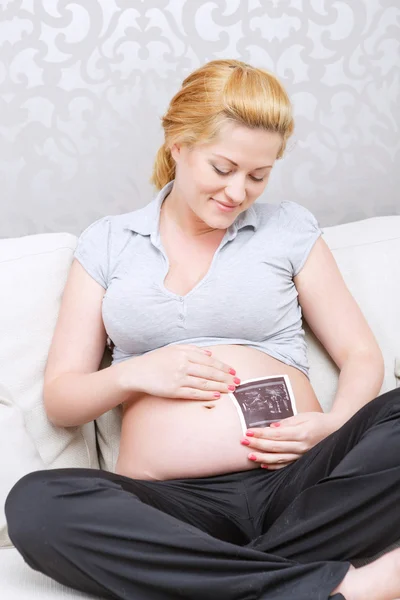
(167, 438)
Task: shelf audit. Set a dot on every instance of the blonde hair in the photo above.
(217, 92)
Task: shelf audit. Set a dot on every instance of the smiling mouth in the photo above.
(227, 207)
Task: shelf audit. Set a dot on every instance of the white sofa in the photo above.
(33, 271)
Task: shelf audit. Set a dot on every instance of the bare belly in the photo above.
(166, 438)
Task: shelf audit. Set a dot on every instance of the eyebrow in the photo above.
(236, 165)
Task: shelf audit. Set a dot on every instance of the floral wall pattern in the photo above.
(83, 84)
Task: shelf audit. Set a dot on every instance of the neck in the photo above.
(176, 211)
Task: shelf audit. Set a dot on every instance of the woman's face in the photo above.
(220, 180)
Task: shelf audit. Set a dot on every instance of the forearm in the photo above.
(360, 381)
(77, 398)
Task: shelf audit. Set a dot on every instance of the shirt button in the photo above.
(181, 299)
(181, 317)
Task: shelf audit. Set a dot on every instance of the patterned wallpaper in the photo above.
(83, 84)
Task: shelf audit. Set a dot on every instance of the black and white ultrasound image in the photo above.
(264, 401)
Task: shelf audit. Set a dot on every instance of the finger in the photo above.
(207, 385)
(289, 421)
(272, 459)
(275, 467)
(203, 359)
(206, 372)
(189, 348)
(197, 349)
(275, 447)
(277, 433)
(190, 393)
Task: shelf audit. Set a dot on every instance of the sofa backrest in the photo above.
(33, 272)
(368, 255)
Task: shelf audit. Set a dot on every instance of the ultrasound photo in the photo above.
(263, 401)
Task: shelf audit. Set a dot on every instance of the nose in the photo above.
(236, 190)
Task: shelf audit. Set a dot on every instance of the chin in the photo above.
(219, 222)
(219, 219)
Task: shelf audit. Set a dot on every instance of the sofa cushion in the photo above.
(18, 454)
(367, 253)
(20, 582)
(33, 271)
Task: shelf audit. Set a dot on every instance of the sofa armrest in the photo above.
(18, 454)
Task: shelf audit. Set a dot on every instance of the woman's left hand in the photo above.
(284, 442)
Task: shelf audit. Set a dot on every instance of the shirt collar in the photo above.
(145, 220)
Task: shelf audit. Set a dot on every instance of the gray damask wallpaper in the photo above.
(83, 84)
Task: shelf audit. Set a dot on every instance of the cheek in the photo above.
(253, 194)
(206, 184)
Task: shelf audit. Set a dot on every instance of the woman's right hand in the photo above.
(180, 371)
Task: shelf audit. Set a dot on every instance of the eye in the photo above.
(221, 172)
(224, 173)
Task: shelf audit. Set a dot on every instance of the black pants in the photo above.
(248, 535)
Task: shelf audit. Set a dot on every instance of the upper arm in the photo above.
(329, 308)
(79, 337)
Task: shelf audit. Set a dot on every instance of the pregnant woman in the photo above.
(198, 290)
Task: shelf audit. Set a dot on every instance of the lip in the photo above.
(224, 207)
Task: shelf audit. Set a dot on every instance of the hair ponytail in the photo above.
(164, 168)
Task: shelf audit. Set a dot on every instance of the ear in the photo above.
(176, 151)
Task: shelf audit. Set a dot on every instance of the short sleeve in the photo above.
(301, 232)
(92, 250)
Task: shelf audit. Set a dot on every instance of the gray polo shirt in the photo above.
(247, 297)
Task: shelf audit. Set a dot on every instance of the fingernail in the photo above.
(208, 352)
(231, 387)
(252, 457)
(245, 442)
(264, 466)
(217, 395)
(232, 371)
(236, 380)
(275, 424)
(250, 433)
